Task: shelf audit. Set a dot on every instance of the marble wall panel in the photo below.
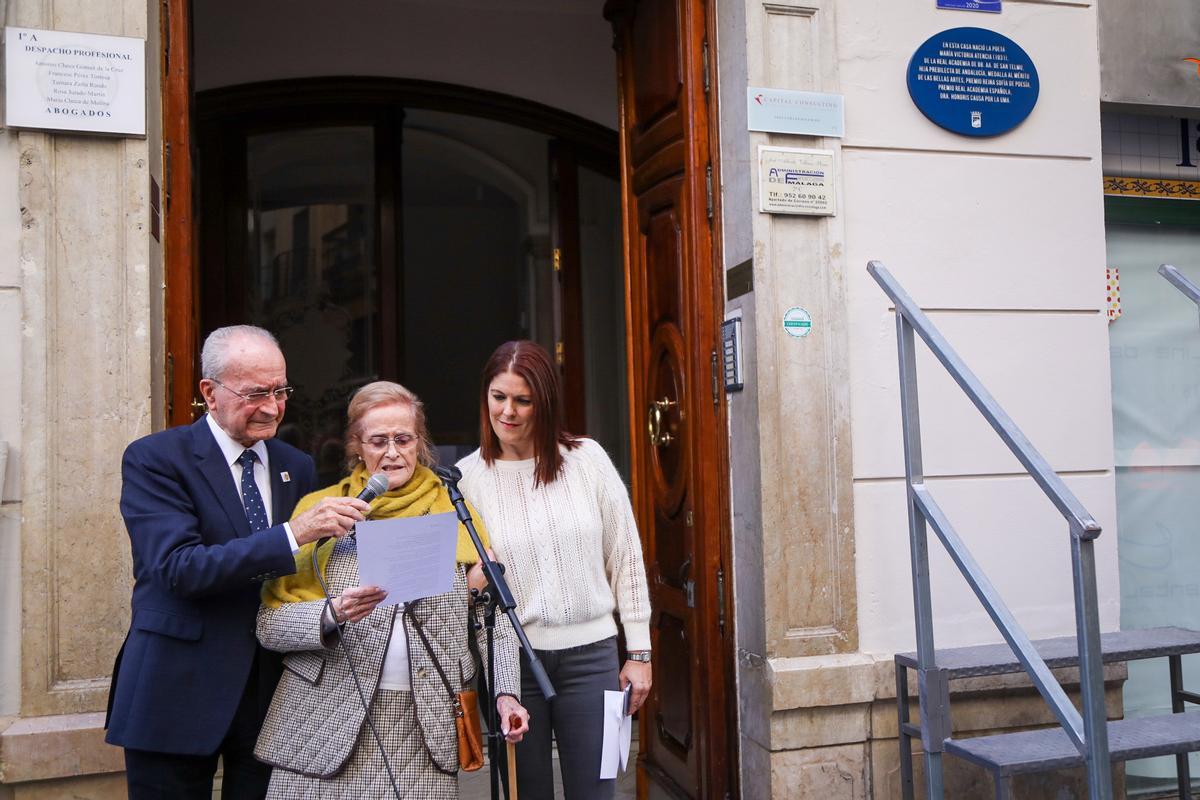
(831, 773)
(87, 392)
(86, 325)
(802, 397)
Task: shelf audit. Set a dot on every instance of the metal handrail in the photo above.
(1010, 629)
(1190, 290)
(1088, 731)
(1082, 523)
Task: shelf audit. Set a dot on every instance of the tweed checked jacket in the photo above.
(316, 715)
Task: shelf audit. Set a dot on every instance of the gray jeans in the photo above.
(575, 717)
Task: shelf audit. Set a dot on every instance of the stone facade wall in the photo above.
(81, 329)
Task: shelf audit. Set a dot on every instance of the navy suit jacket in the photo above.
(197, 572)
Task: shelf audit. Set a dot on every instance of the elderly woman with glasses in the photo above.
(317, 735)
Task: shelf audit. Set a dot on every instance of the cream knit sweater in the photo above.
(570, 549)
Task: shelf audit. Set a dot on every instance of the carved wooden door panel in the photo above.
(679, 463)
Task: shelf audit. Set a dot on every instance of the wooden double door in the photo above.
(677, 457)
(668, 160)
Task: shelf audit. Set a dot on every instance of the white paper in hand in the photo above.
(618, 730)
(409, 557)
(626, 725)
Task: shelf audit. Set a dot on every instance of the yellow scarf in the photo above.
(423, 494)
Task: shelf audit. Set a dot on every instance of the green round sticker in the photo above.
(797, 322)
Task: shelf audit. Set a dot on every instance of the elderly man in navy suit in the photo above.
(206, 507)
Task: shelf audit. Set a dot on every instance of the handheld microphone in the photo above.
(377, 484)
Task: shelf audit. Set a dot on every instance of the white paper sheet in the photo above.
(618, 732)
(626, 726)
(410, 557)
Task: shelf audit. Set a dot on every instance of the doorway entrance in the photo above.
(501, 172)
(402, 236)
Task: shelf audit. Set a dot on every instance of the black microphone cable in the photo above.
(362, 696)
(373, 490)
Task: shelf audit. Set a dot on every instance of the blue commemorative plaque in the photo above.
(973, 81)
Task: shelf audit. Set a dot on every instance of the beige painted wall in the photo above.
(1003, 239)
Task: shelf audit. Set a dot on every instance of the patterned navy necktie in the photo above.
(256, 511)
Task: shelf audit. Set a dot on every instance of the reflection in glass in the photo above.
(1154, 349)
(474, 233)
(311, 225)
(603, 276)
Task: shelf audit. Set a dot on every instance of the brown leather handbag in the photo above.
(466, 712)
(470, 737)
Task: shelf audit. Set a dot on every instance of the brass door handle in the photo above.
(198, 406)
(655, 418)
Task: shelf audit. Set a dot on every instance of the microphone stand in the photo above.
(495, 596)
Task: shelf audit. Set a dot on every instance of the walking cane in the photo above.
(513, 722)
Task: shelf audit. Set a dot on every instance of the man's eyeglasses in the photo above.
(281, 394)
(380, 443)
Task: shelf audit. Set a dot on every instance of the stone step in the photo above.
(1047, 749)
(998, 659)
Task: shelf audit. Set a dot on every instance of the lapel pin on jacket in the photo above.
(285, 477)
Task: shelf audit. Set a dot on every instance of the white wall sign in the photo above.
(792, 111)
(75, 81)
(792, 180)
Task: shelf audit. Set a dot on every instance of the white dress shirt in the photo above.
(262, 471)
